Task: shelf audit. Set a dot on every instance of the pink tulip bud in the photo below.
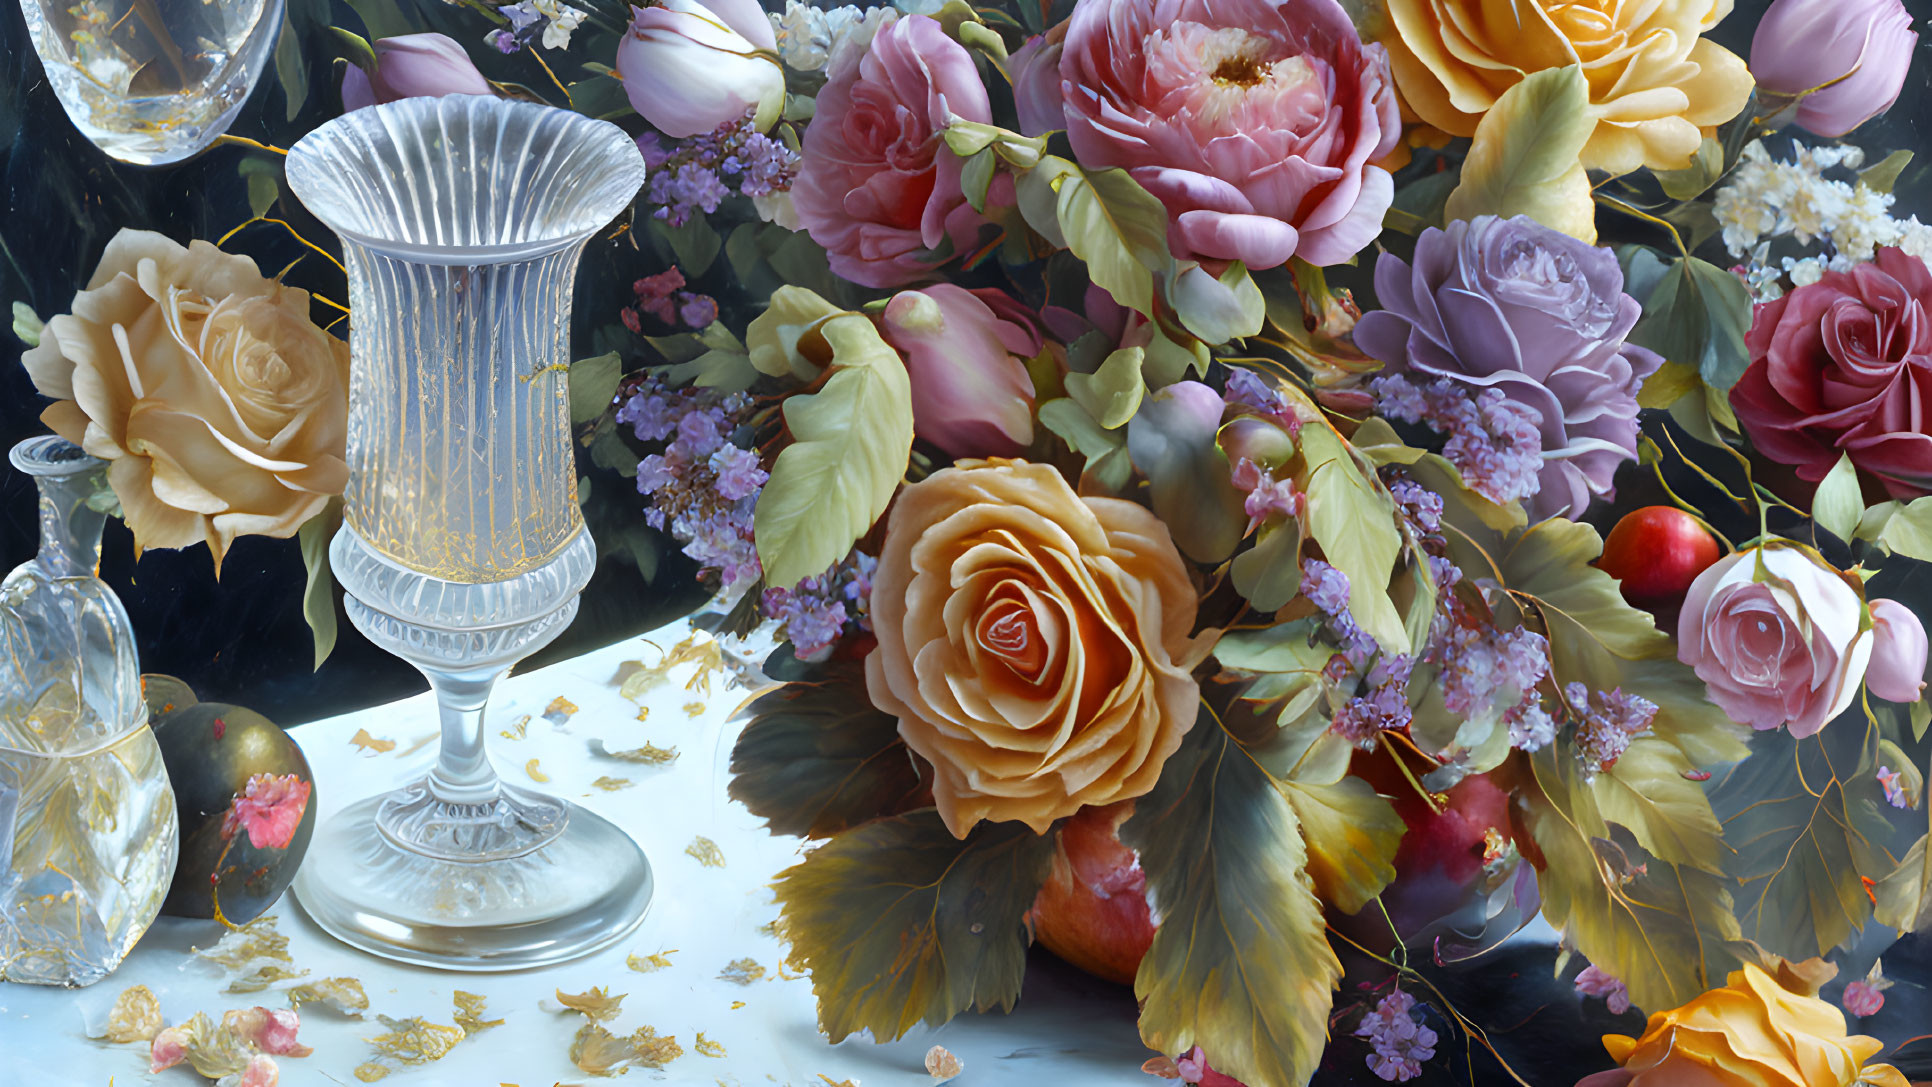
(1897, 670)
(1862, 48)
(971, 394)
(413, 66)
(1036, 82)
(689, 66)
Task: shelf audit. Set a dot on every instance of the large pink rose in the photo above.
(971, 394)
(1844, 365)
(1254, 121)
(878, 187)
(1776, 637)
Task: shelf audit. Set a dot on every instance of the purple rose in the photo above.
(1511, 305)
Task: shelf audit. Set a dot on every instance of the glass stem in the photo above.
(463, 774)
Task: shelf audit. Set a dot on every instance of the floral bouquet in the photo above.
(1254, 496)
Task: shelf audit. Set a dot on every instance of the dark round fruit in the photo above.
(212, 750)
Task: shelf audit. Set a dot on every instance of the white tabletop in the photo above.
(1067, 1032)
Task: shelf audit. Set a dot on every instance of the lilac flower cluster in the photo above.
(702, 487)
(1266, 496)
(1483, 670)
(1895, 794)
(1383, 704)
(1400, 1041)
(818, 611)
(1496, 443)
(529, 19)
(1606, 723)
(695, 175)
(1594, 982)
(662, 296)
(1245, 388)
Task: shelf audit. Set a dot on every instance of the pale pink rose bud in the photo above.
(971, 394)
(1865, 46)
(413, 66)
(689, 66)
(1036, 82)
(1781, 650)
(1897, 671)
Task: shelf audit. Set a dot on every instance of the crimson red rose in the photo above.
(1844, 365)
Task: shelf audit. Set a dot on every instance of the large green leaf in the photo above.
(1120, 230)
(1806, 820)
(1694, 313)
(1269, 573)
(815, 758)
(1908, 532)
(1240, 964)
(1527, 156)
(1839, 505)
(1352, 835)
(1188, 478)
(1666, 931)
(850, 444)
(897, 921)
(1105, 450)
(318, 596)
(1353, 520)
(593, 384)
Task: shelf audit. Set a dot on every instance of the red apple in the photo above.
(1092, 910)
(1655, 553)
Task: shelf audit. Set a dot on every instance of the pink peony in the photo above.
(269, 808)
(1778, 648)
(1254, 121)
(971, 394)
(1844, 365)
(878, 188)
(413, 66)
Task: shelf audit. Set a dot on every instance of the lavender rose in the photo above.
(1513, 306)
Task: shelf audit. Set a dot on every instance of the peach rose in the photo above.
(1753, 1032)
(220, 407)
(1035, 645)
(1658, 86)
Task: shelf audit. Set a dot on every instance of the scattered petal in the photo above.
(413, 1041)
(253, 944)
(599, 1052)
(535, 773)
(135, 1017)
(694, 709)
(643, 713)
(262, 977)
(649, 753)
(1162, 1066)
(345, 995)
(646, 964)
(518, 729)
(559, 710)
(469, 1013)
(371, 1072)
(705, 1047)
(611, 784)
(418, 744)
(635, 678)
(271, 1030)
(369, 743)
(742, 971)
(597, 1004)
(261, 1071)
(941, 1065)
(706, 851)
(652, 1051)
(736, 1004)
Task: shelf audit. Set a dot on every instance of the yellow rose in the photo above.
(1658, 86)
(1753, 1032)
(1035, 645)
(220, 407)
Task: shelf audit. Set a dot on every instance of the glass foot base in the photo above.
(578, 893)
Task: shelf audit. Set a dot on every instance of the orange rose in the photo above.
(1753, 1032)
(220, 408)
(1035, 645)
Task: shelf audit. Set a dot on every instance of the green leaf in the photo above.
(1806, 820)
(722, 369)
(1694, 313)
(1352, 835)
(1839, 504)
(1218, 309)
(695, 245)
(381, 18)
(1353, 520)
(1905, 896)
(1240, 964)
(1527, 156)
(851, 442)
(353, 48)
(1105, 450)
(1037, 192)
(1909, 531)
(897, 921)
(779, 338)
(291, 68)
(1111, 394)
(977, 176)
(1647, 793)
(1269, 573)
(1667, 932)
(593, 385)
(318, 597)
(27, 324)
(1882, 176)
(1120, 230)
(1693, 181)
(816, 759)
(263, 177)
(1189, 480)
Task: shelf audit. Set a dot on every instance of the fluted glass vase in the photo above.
(87, 819)
(463, 550)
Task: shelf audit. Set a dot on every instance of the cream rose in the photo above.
(220, 407)
(1035, 645)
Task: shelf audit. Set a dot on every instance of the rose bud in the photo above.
(689, 66)
(971, 394)
(1897, 671)
(1857, 51)
(412, 66)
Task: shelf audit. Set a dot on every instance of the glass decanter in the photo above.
(153, 81)
(463, 548)
(86, 812)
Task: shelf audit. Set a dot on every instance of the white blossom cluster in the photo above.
(1765, 199)
(809, 36)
